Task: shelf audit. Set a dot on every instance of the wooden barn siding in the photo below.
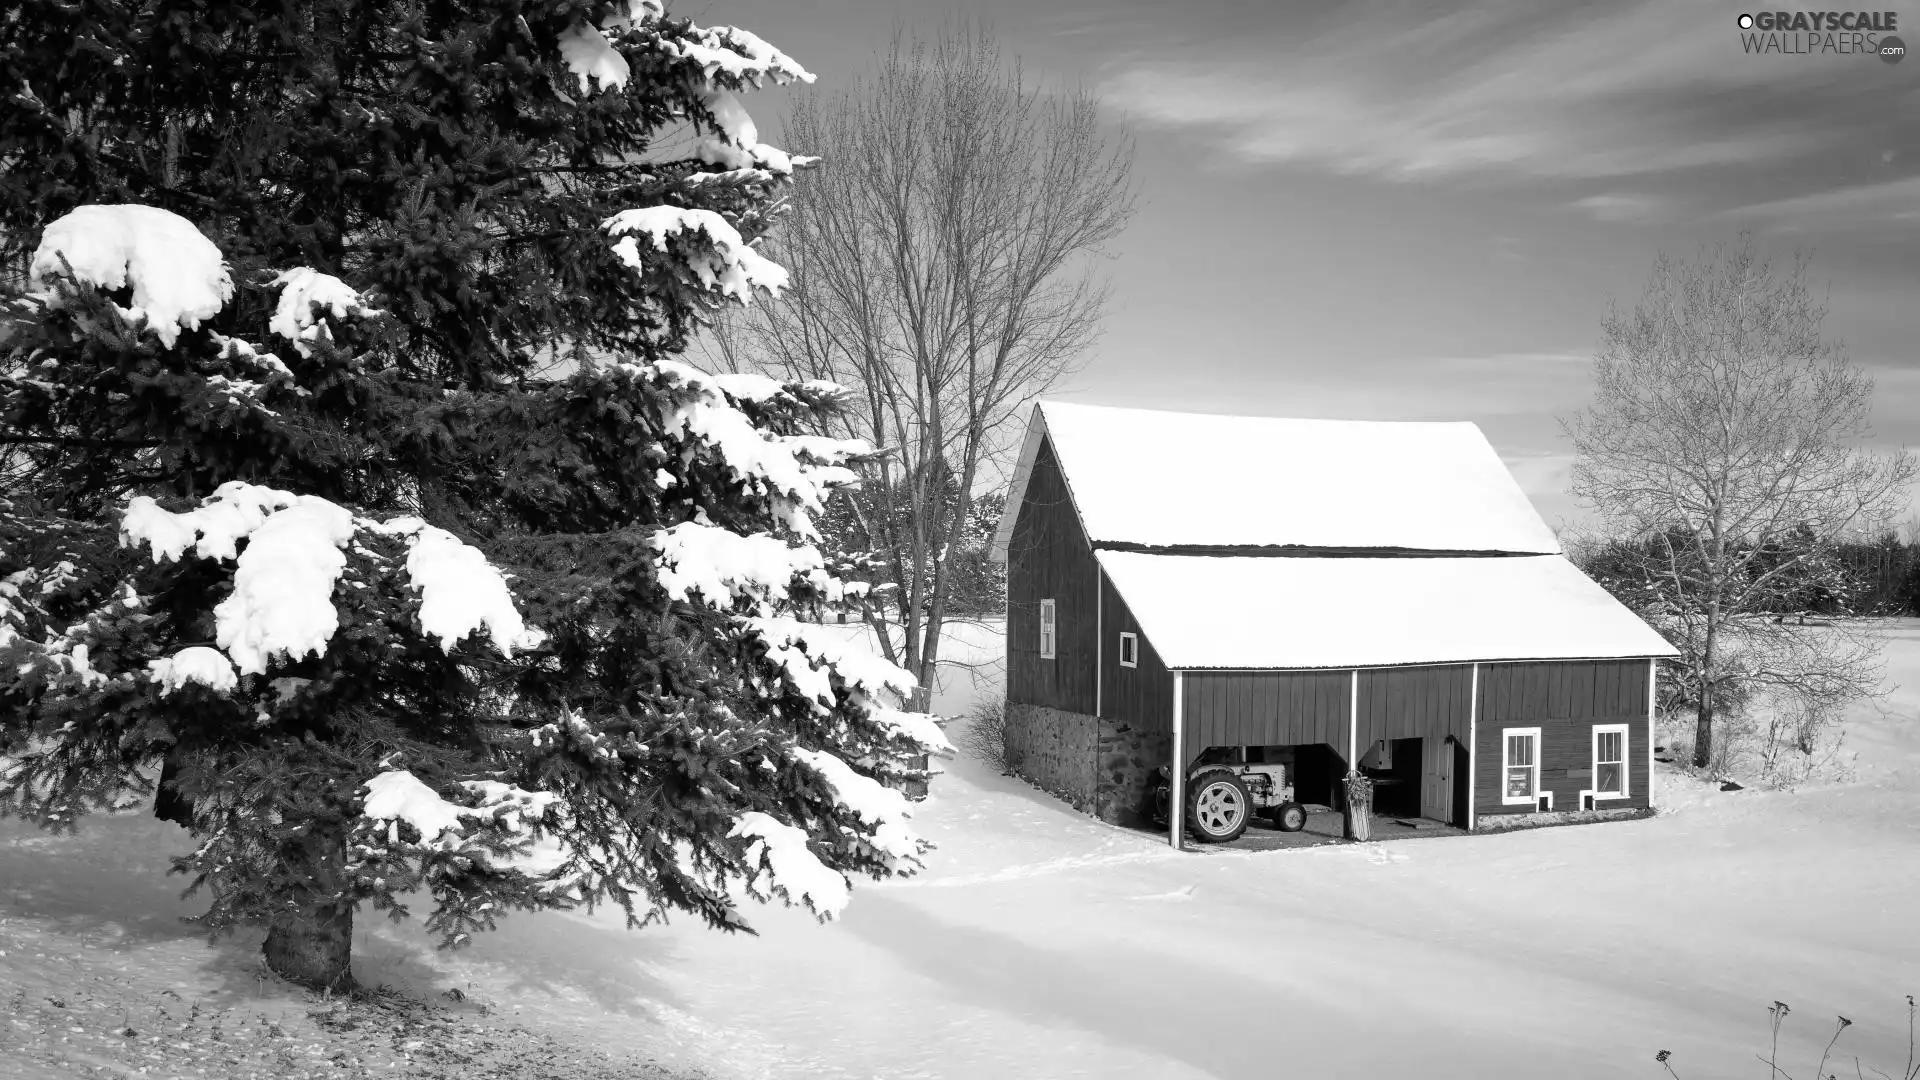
(1565, 700)
(1140, 697)
(1415, 703)
(1048, 556)
(1267, 708)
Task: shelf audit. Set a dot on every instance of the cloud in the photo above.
(1892, 203)
(1412, 91)
(1623, 207)
(1517, 392)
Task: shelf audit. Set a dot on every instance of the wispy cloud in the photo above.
(1434, 388)
(1623, 206)
(1893, 203)
(1411, 91)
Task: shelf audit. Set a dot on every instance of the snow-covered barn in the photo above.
(1317, 593)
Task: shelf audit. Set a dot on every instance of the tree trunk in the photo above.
(168, 803)
(311, 943)
(1703, 717)
(1703, 730)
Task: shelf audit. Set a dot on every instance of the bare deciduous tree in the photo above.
(943, 261)
(1724, 443)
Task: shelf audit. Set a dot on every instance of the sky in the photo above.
(1423, 211)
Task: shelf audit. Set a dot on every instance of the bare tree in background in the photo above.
(943, 260)
(1723, 451)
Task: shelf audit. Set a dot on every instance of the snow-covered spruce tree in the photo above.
(356, 506)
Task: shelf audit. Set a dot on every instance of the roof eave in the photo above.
(1017, 486)
(1277, 669)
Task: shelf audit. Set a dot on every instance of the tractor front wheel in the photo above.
(1290, 817)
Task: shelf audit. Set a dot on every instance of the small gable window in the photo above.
(1049, 630)
(1129, 650)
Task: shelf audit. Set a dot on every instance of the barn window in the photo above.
(1610, 761)
(1520, 766)
(1129, 650)
(1049, 630)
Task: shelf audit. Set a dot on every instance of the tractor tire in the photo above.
(1290, 817)
(1218, 807)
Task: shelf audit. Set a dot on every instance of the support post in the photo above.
(1353, 723)
(1354, 816)
(1177, 772)
(1473, 749)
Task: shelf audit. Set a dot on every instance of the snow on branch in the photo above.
(792, 866)
(802, 469)
(727, 264)
(398, 795)
(721, 564)
(234, 510)
(590, 56)
(735, 52)
(197, 664)
(12, 618)
(875, 803)
(633, 13)
(922, 728)
(177, 275)
(252, 355)
(301, 290)
(736, 144)
(801, 648)
(461, 593)
(282, 599)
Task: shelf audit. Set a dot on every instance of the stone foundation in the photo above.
(1054, 750)
(1128, 760)
(1100, 767)
(1508, 822)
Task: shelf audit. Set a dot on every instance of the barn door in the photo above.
(1436, 778)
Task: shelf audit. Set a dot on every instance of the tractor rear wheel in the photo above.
(1218, 807)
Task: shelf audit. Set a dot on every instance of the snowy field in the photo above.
(1044, 944)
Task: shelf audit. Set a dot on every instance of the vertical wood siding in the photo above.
(1415, 703)
(1140, 697)
(1048, 557)
(1565, 700)
(1267, 708)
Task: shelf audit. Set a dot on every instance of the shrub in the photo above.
(985, 735)
(1777, 1014)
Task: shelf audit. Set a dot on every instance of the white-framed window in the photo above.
(1049, 630)
(1129, 650)
(1610, 761)
(1519, 766)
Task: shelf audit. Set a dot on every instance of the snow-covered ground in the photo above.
(1044, 944)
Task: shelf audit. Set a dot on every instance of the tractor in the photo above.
(1223, 797)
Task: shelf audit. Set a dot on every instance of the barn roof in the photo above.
(1146, 478)
(1341, 612)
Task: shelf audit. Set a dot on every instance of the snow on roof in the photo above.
(1280, 612)
(1164, 479)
